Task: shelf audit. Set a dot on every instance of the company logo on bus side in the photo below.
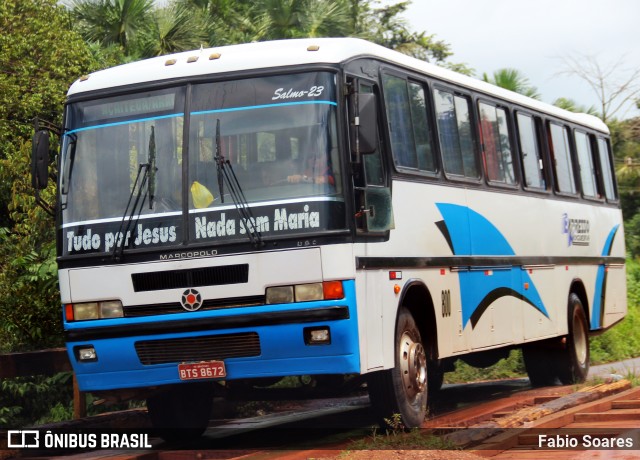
(577, 231)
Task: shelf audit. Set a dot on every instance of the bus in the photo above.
(318, 207)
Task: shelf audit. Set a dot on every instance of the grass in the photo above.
(398, 437)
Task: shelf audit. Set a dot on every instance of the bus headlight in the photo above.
(308, 292)
(329, 290)
(93, 310)
(111, 309)
(280, 294)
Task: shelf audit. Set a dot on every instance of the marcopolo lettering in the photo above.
(188, 254)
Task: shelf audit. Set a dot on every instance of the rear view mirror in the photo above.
(379, 209)
(368, 112)
(366, 122)
(40, 160)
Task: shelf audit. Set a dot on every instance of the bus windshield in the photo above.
(278, 134)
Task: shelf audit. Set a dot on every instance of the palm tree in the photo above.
(111, 22)
(513, 80)
(572, 106)
(174, 28)
(302, 18)
(324, 19)
(228, 21)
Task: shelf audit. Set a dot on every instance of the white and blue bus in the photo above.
(323, 207)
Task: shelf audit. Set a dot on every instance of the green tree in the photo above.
(625, 139)
(572, 106)
(513, 80)
(114, 22)
(40, 56)
(257, 20)
(173, 29)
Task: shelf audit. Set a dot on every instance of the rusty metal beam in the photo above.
(42, 362)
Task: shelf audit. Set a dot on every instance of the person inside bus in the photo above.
(317, 171)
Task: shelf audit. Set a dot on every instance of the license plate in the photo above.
(202, 370)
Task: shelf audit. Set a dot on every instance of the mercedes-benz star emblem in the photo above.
(191, 300)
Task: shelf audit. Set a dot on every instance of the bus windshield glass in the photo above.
(276, 134)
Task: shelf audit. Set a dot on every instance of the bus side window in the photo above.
(403, 145)
(531, 156)
(585, 164)
(422, 134)
(498, 161)
(456, 134)
(561, 156)
(406, 107)
(605, 167)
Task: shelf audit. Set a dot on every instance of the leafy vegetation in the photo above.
(513, 80)
(622, 341)
(32, 400)
(397, 437)
(141, 28)
(40, 55)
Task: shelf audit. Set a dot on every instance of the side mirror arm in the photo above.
(41, 159)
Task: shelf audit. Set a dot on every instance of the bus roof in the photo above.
(281, 53)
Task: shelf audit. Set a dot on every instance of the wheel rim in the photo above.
(413, 365)
(579, 340)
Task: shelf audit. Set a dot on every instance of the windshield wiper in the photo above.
(219, 162)
(226, 172)
(146, 174)
(151, 172)
(69, 158)
(136, 209)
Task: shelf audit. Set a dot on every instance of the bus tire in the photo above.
(538, 363)
(435, 377)
(403, 389)
(182, 413)
(573, 361)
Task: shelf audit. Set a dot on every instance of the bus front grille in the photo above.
(132, 311)
(208, 348)
(194, 277)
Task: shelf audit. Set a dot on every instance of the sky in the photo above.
(535, 36)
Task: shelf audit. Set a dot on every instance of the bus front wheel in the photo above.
(182, 413)
(402, 390)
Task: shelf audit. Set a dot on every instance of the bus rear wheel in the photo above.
(538, 362)
(403, 389)
(182, 413)
(573, 362)
(566, 359)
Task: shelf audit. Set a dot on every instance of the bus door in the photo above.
(373, 211)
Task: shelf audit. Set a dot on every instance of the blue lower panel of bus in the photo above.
(263, 341)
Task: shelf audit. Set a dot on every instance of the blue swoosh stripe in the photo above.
(472, 234)
(601, 278)
(263, 106)
(126, 122)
